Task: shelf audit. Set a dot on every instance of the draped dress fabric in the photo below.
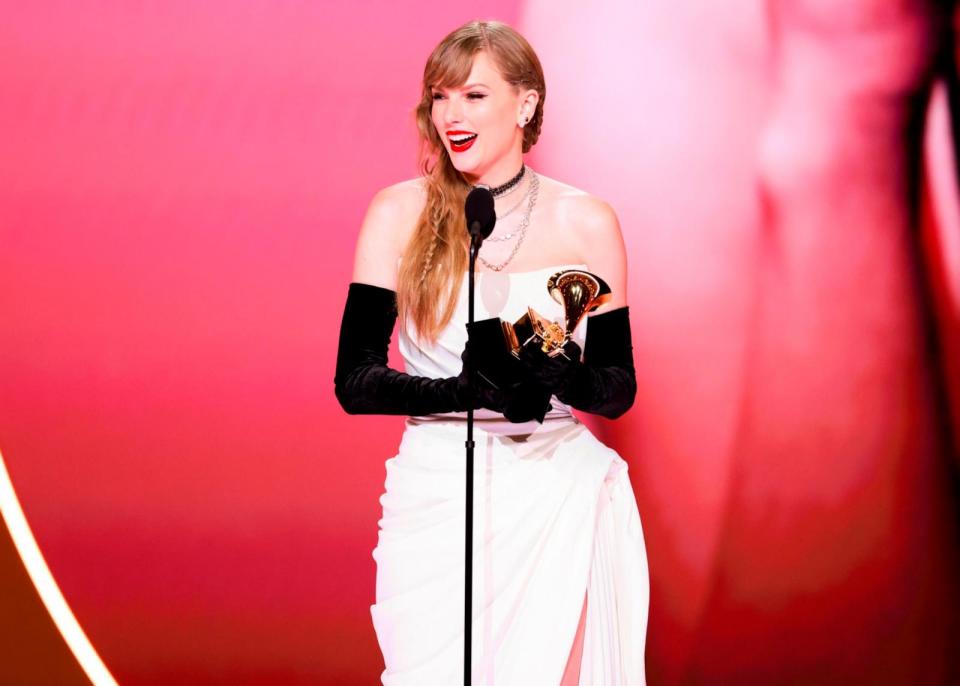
(554, 518)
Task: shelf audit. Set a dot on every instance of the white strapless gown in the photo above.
(554, 518)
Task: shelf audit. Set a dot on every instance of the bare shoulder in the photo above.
(590, 223)
(389, 222)
(594, 233)
(393, 210)
(589, 217)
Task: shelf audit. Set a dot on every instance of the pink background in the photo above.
(181, 185)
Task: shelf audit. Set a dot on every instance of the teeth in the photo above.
(461, 139)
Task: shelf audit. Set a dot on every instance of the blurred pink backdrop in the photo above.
(181, 186)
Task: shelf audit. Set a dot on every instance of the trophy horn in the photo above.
(580, 293)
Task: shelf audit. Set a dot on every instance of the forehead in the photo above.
(483, 71)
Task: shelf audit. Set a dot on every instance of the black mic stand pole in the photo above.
(475, 240)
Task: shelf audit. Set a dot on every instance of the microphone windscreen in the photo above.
(479, 210)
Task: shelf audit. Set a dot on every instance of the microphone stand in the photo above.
(481, 217)
(476, 238)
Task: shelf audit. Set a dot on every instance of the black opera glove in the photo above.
(484, 394)
(521, 401)
(605, 382)
(363, 382)
(551, 373)
(525, 401)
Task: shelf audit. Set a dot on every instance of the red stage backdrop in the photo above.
(181, 185)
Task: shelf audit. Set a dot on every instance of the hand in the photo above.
(526, 400)
(483, 395)
(522, 401)
(552, 373)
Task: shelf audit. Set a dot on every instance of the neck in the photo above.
(498, 174)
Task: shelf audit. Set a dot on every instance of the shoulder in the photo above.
(587, 218)
(389, 222)
(406, 193)
(594, 232)
(394, 209)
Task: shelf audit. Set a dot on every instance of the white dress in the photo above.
(554, 517)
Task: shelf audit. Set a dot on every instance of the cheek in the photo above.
(437, 120)
(500, 123)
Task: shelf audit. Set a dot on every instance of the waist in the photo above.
(487, 421)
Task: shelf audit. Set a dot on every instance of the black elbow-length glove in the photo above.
(363, 382)
(605, 382)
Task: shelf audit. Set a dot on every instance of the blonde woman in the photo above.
(560, 575)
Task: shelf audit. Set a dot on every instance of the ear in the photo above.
(528, 105)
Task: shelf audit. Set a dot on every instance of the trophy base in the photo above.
(549, 335)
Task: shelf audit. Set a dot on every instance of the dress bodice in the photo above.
(498, 294)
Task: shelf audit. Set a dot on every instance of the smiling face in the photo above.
(481, 122)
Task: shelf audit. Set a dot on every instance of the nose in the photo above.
(453, 112)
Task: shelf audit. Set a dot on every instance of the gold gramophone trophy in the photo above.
(579, 292)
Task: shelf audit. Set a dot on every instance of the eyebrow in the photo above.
(464, 87)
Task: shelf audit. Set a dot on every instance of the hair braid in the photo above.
(436, 221)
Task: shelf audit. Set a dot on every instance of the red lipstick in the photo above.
(462, 143)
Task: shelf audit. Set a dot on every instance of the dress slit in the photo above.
(571, 675)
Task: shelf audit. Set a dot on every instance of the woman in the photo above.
(560, 578)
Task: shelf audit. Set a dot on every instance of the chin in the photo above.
(472, 165)
(465, 163)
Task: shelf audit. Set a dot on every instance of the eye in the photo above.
(438, 96)
(476, 96)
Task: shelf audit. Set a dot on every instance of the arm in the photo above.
(363, 382)
(605, 381)
(598, 240)
(386, 229)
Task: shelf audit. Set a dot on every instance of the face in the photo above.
(479, 122)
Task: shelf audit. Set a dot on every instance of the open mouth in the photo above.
(461, 141)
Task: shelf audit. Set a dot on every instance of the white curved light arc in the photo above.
(942, 176)
(46, 586)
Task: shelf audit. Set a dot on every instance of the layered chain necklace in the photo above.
(516, 206)
(521, 231)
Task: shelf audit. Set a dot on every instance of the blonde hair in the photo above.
(435, 259)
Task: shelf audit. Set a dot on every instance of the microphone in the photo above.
(481, 216)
